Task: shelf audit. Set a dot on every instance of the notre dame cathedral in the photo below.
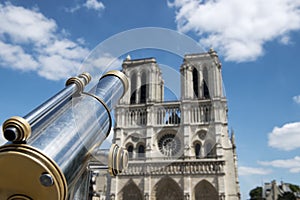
(179, 150)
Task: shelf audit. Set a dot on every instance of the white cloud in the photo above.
(246, 171)
(89, 4)
(14, 56)
(55, 67)
(24, 25)
(293, 165)
(31, 41)
(94, 5)
(285, 40)
(66, 48)
(239, 29)
(286, 137)
(73, 9)
(297, 99)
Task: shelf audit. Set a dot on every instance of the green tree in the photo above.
(256, 194)
(294, 188)
(287, 196)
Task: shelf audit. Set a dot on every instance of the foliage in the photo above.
(256, 194)
(294, 188)
(287, 196)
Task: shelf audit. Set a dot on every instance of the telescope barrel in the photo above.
(79, 125)
(60, 144)
(73, 85)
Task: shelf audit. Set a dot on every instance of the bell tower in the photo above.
(205, 121)
(201, 76)
(146, 84)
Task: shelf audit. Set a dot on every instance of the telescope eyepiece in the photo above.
(16, 129)
(11, 134)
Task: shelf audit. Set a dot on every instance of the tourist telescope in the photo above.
(48, 151)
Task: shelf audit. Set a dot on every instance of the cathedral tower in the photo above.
(180, 149)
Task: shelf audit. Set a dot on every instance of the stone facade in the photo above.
(180, 149)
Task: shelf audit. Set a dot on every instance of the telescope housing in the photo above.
(47, 153)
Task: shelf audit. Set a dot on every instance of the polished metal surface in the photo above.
(71, 133)
(21, 169)
(120, 75)
(115, 159)
(58, 99)
(80, 125)
(52, 103)
(46, 180)
(110, 89)
(106, 108)
(15, 132)
(16, 129)
(19, 197)
(64, 132)
(2, 139)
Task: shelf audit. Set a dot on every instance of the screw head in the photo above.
(46, 180)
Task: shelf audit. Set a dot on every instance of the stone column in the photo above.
(189, 82)
(200, 83)
(151, 85)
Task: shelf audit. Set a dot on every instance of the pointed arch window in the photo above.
(141, 151)
(144, 88)
(198, 150)
(205, 90)
(205, 84)
(133, 89)
(195, 83)
(130, 150)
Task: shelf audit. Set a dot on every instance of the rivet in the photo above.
(46, 180)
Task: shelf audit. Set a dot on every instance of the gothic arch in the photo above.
(167, 189)
(133, 91)
(144, 87)
(205, 190)
(205, 84)
(129, 147)
(141, 150)
(131, 191)
(197, 145)
(196, 82)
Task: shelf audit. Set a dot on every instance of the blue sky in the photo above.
(44, 42)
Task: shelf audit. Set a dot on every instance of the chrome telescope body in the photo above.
(48, 150)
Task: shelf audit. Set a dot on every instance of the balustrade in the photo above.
(185, 167)
(136, 116)
(167, 114)
(201, 113)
